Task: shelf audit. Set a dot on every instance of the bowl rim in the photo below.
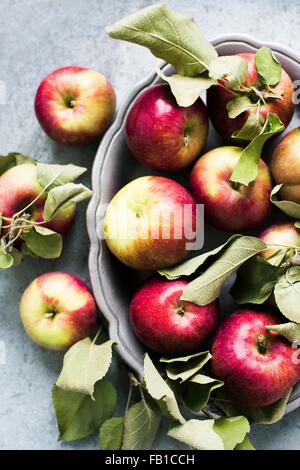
(95, 246)
(257, 43)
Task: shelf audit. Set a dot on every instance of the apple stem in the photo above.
(262, 344)
(129, 397)
(133, 380)
(180, 310)
(72, 104)
(260, 96)
(235, 185)
(16, 228)
(29, 223)
(13, 239)
(207, 413)
(97, 336)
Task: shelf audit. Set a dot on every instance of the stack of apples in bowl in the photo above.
(155, 223)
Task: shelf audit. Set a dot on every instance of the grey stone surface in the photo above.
(36, 37)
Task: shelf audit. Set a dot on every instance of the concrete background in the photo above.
(36, 37)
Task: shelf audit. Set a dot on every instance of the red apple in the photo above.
(163, 135)
(229, 206)
(285, 166)
(19, 187)
(257, 366)
(218, 97)
(75, 105)
(167, 324)
(149, 222)
(283, 233)
(57, 310)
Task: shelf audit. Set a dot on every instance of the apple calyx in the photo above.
(50, 315)
(186, 139)
(261, 342)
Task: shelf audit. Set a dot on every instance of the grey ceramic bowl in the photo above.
(113, 283)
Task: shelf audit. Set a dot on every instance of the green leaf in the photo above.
(251, 129)
(111, 434)
(141, 423)
(7, 162)
(297, 224)
(78, 415)
(255, 281)
(170, 36)
(265, 415)
(221, 434)
(287, 294)
(208, 285)
(43, 242)
(63, 196)
(279, 256)
(245, 445)
(84, 364)
(183, 368)
(290, 331)
(268, 67)
(9, 256)
(13, 159)
(186, 89)
(159, 390)
(239, 105)
(288, 207)
(198, 390)
(46, 174)
(199, 435)
(22, 159)
(26, 252)
(246, 169)
(191, 265)
(233, 68)
(232, 430)
(6, 259)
